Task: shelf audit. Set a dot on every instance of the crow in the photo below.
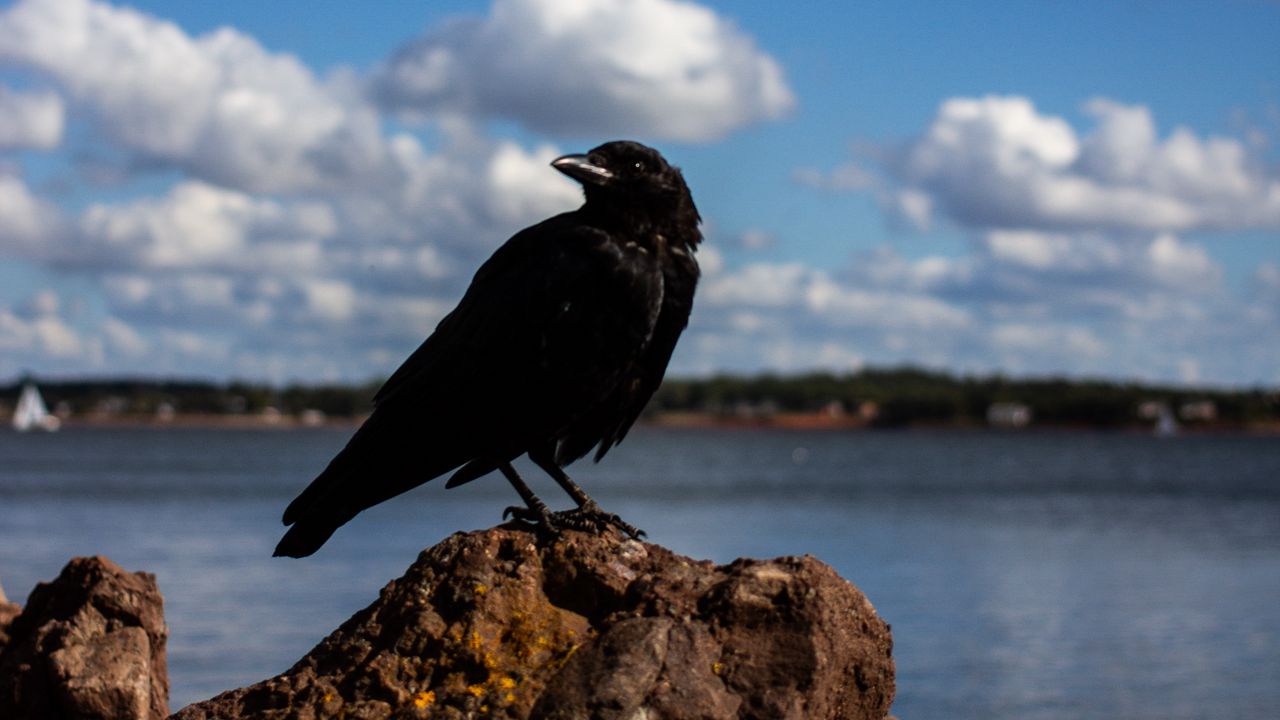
(555, 348)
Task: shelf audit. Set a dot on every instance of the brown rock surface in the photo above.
(90, 644)
(496, 624)
(8, 611)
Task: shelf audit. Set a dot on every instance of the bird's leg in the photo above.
(534, 511)
(589, 516)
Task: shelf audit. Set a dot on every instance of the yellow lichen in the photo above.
(476, 690)
(506, 683)
(424, 699)
(717, 668)
(480, 589)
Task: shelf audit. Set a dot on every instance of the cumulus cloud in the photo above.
(123, 339)
(1099, 259)
(300, 235)
(660, 68)
(1019, 302)
(799, 290)
(997, 162)
(1088, 251)
(27, 223)
(218, 106)
(197, 225)
(298, 220)
(30, 120)
(37, 328)
(230, 113)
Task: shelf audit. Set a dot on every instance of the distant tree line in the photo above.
(908, 396)
(895, 397)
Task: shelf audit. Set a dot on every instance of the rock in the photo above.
(90, 644)
(498, 624)
(8, 611)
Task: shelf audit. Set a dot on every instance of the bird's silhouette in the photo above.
(555, 348)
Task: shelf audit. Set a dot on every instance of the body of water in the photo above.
(1026, 575)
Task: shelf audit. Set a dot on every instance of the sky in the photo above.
(299, 191)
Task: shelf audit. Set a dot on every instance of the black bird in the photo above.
(557, 345)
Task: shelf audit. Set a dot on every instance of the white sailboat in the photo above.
(32, 414)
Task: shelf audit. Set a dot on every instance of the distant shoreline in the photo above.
(671, 420)
(902, 397)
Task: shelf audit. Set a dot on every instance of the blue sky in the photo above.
(299, 191)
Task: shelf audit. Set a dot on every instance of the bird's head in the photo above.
(632, 179)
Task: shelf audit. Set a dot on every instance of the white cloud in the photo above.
(1177, 262)
(28, 224)
(30, 120)
(789, 316)
(1082, 252)
(996, 162)
(1064, 341)
(219, 106)
(44, 303)
(1052, 261)
(123, 339)
(520, 188)
(39, 329)
(844, 304)
(755, 240)
(303, 238)
(759, 285)
(662, 68)
(332, 300)
(192, 345)
(197, 225)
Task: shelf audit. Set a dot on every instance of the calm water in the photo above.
(1036, 575)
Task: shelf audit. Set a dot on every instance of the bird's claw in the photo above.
(540, 516)
(594, 520)
(588, 518)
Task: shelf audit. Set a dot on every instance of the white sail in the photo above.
(31, 413)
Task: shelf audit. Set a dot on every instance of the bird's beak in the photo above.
(581, 169)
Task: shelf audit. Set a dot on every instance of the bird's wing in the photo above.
(611, 418)
(543, 310)
(681, 279)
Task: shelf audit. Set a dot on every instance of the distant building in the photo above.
(112, 405)
(1152, 409)
(1198, 411)
(868, 410)
(1008, 415)
(165, 412)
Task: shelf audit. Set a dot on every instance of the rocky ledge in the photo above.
(503, 623)
(89, 645)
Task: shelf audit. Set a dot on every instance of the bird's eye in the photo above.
(639, 166)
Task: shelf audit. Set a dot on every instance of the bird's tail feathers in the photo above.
(314, 493)
(305, 537)
(373, 467)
